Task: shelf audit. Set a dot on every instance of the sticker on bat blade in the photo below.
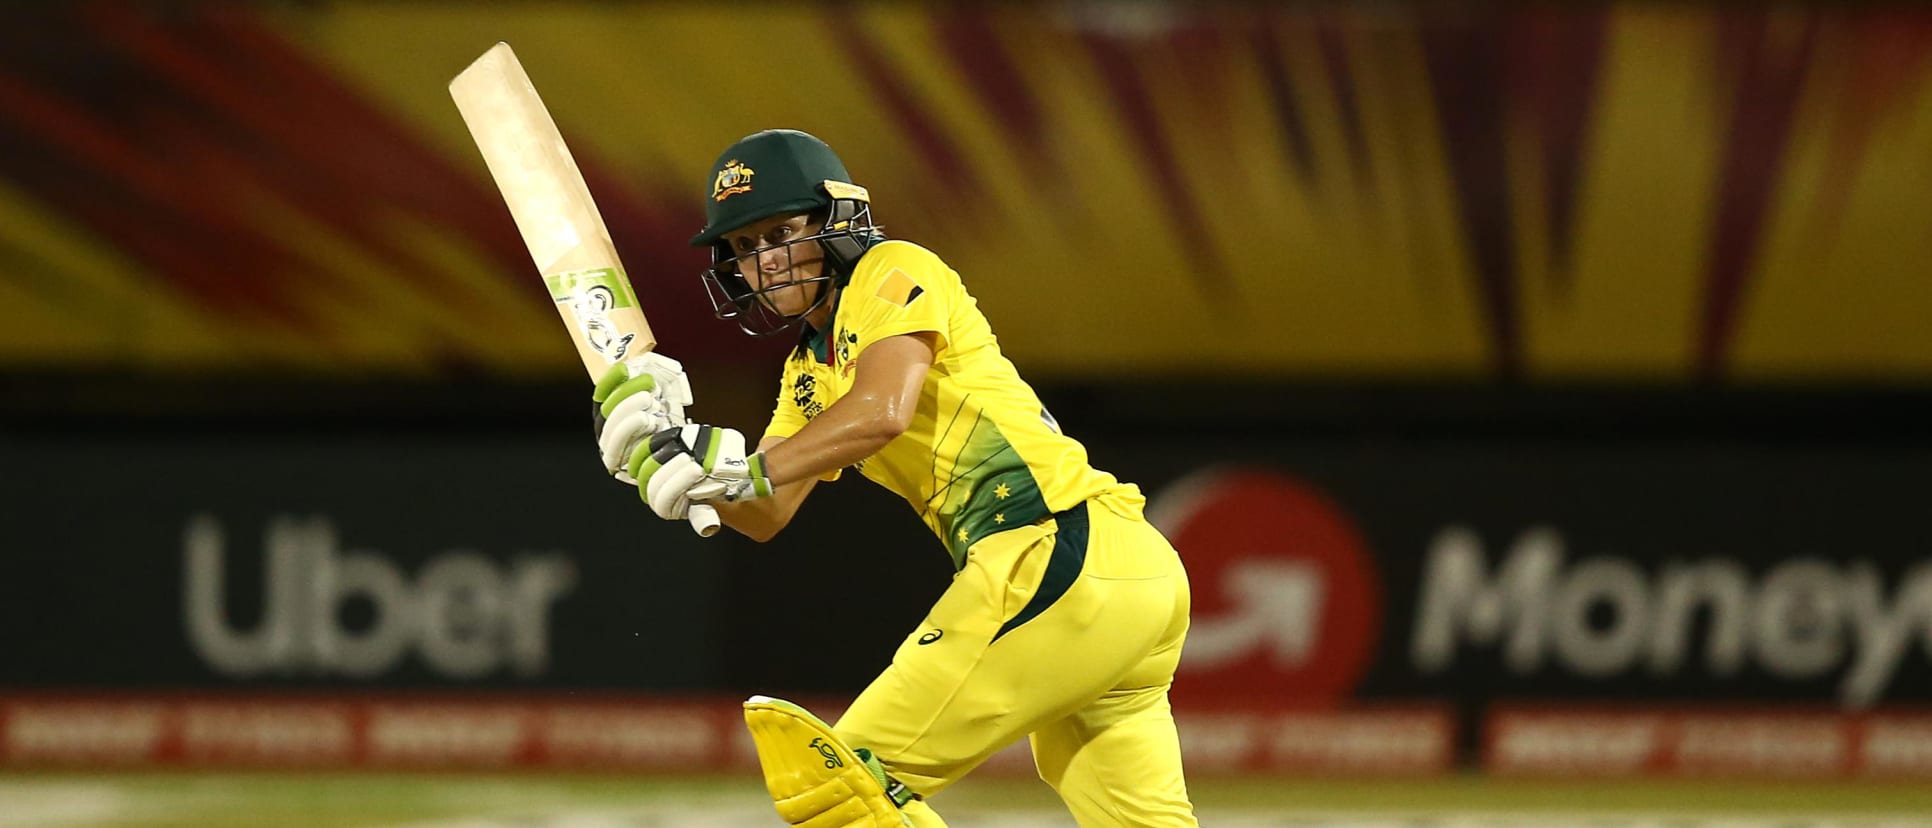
(591, 295)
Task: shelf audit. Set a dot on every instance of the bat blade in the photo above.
(553, 208)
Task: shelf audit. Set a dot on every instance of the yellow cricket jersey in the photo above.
(982, 454)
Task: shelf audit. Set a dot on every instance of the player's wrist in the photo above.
(757, 481)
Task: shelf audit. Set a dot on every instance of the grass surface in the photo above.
(157, 800)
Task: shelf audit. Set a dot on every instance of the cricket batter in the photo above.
(1067, 610)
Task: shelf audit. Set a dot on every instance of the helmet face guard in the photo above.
(846, 233)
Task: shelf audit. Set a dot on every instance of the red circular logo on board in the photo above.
(1286, 603)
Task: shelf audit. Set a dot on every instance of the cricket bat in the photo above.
(559, 221)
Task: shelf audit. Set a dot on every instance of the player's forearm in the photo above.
(762, 519)
(850, 430)
(753, 519)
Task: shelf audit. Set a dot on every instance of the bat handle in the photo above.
(704, 520)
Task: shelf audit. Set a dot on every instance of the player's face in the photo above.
(778, 263)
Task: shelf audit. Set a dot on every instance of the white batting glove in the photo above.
(694, 464)
(635, 399)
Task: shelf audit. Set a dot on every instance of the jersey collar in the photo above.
(820, 342)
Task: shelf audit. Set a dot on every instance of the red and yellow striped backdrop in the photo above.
(1648, 191)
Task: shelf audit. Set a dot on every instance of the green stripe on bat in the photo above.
(572, 285)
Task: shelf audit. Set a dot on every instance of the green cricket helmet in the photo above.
(773, 173)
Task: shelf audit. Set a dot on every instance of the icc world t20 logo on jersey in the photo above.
(735, 178)
(805, 395)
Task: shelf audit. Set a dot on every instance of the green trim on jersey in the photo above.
(979, 456)
(992, 490)
(818, 344)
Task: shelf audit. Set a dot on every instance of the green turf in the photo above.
(1473, 793)
(157, 800)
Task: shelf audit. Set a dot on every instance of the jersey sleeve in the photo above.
(900, 289)
(787, 418)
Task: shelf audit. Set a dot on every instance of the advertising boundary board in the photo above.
(645, 734)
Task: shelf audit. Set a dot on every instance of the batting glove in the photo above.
(634, 400)
(694, 464)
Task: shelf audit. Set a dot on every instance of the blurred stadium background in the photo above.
(1538, 393)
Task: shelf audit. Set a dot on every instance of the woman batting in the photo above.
(1067, 610)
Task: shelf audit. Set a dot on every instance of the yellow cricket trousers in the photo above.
(1068, 630)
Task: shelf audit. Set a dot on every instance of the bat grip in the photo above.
(704, 520)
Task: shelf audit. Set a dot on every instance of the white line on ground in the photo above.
(38, 805)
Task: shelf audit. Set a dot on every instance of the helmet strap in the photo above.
(844, 249)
